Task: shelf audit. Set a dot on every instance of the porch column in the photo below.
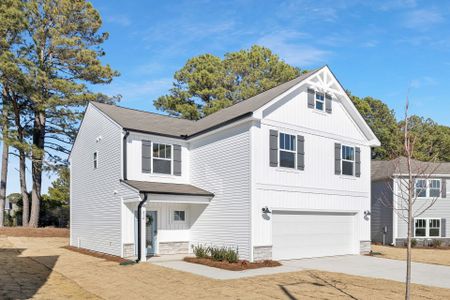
(143, 236)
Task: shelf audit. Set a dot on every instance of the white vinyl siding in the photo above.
(96, 194)
(439, 210)
(220, 163)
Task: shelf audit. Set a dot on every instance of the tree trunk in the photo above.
(23, 189)
(37, 157)
(5, 157)
(22, 164)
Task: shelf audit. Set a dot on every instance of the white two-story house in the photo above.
(282, 175)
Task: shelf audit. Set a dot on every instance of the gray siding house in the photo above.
(388, 226)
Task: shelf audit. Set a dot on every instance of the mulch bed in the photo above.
(34, 232)
(239, 266)
(104, 256)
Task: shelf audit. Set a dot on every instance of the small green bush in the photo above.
(200, 251)
(436, 243)
(216, 253)
(413, 243)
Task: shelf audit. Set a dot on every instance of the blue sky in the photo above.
(375, 48)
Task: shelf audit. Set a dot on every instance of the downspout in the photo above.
(124, 152)
(140, 227)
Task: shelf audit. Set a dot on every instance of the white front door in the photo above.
(151, 232)
(312, 234)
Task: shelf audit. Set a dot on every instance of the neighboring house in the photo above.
(282, 175)
(431, 181)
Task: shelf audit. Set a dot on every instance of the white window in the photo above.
(427, 227)
(320, 101)
(95, 160)
(348, 160)
(428, 188)
(287, 150)
(435, 188)
(179, 215)
(162, 158)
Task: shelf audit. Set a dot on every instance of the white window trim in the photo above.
(317, 100)
(95, 160)
(291, 151)
(352, 161)
(427, 189)
(427, 228)
(179, 221)
(169, 159)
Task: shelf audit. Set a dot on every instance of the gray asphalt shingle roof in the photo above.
(171, 126)
(167, 188)
(384, 169)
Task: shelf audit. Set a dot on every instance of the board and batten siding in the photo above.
(316, 187)
(134, 162)
(381, 211)
(440, 209)
(96, 194)
(220, 163)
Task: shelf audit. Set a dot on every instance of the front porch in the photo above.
(167, 213)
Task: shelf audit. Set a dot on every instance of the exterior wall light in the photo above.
(266, 210)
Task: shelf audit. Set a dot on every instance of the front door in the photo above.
(152, 232)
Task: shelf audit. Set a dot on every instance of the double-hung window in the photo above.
(162, 158)
(427, 227)
(427, 188)
(348, 160)
(320, 101)
(287, 150)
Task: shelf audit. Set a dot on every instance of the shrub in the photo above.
(413, 243)
(232, 255)
(200, 251)
(436, 243)
(218, 253)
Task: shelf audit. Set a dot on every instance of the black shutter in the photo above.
(357, 162)
(444, 188)
(337, 159)
(443, 228)
(177, 160)
(300, 152)
(273, 148)
(311, 95)
(328, 103)
(146, 156)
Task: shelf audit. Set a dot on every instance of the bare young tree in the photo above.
(408, 185)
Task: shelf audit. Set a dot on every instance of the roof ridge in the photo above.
(142, 111)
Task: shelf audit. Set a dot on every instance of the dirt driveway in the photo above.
(40, 268)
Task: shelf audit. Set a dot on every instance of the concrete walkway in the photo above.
(427, 274)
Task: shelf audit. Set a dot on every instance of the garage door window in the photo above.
(287, 150)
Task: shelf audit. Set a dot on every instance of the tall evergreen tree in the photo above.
(58, 53)
(207, 83)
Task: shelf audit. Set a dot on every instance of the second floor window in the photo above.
(348, 160)
(287, 150)
(162, 158)
(428, 188)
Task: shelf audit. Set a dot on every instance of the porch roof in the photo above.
(168, 188)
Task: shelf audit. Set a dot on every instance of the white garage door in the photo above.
(311, 234)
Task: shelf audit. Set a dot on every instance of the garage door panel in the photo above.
(311, 234)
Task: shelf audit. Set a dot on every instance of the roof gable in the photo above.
(323, 80)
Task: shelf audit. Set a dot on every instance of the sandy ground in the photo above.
(40, 268)
(428, 255)
(35, 232)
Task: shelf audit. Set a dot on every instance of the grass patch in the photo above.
(104, 256)
(34, 232)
